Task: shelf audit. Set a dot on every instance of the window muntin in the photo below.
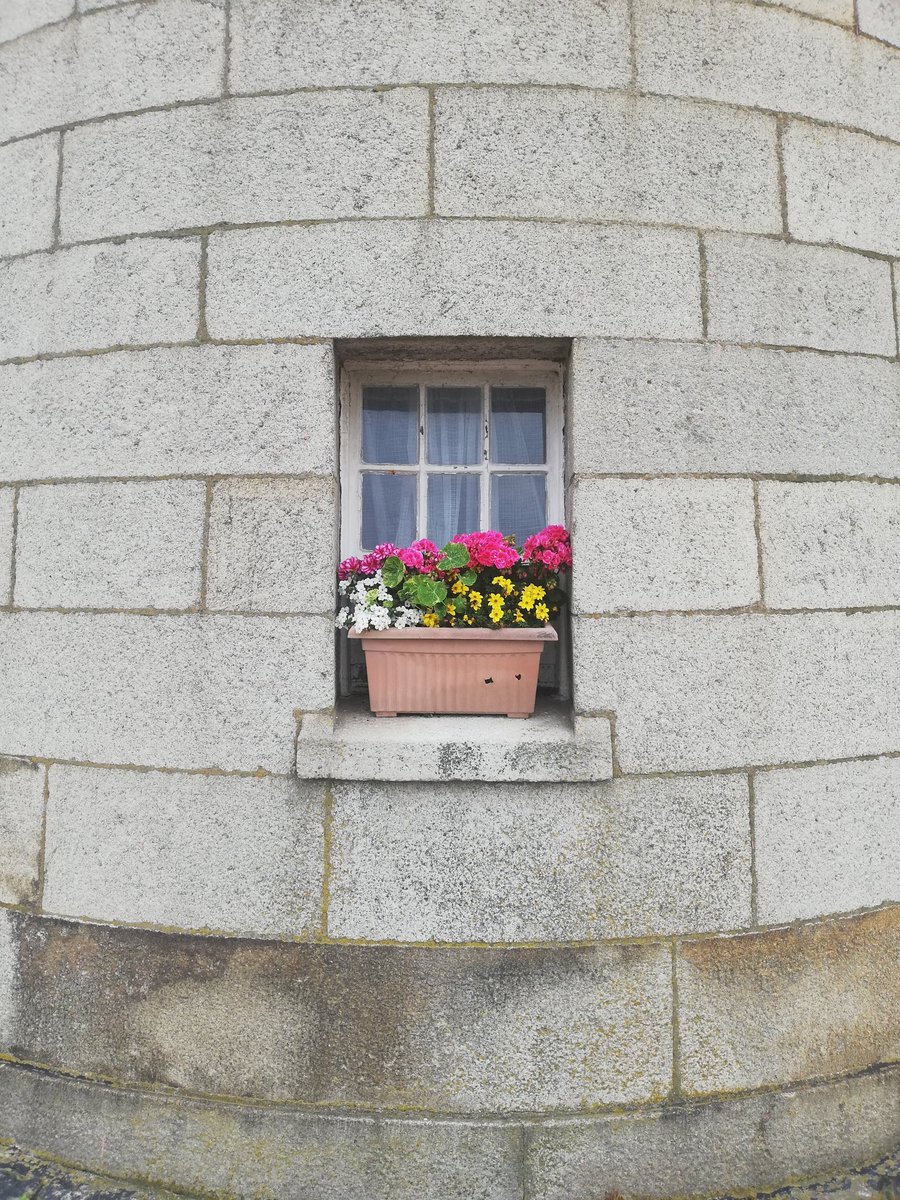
(433, 451)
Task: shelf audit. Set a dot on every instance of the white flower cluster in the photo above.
(367, 607)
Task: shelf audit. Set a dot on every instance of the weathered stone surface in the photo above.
(748, 1143)
(7, 509)
(186, 691)
(703, 692)
(315, 155)
(827, 839)
(830, 545)
(192, 851)
(199, 1146)
(881, 19)
(22, 16)
(604, 155)
(28, 185)
(495, 863)
(842, 187)
(380, 1027)
(787, 294)
(663, 544)
(813, 1001)
(21, 819)
(137, 56)
(551, 745)
(7, 977)
(416, 278)
(664, 408)
(110, 545)
(766, 58)
(413, 41)
(204, 410)
(272, 544)
(91, 297)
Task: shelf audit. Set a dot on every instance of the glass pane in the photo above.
(452, 506)
(518, 425)
(519, 504)
(388, 510)
(390, 424)
(454, 426)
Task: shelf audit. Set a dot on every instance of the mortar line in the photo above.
(676, 1091)
(204, 547)
(780, 123)
(754, 883)
(226, 50)
(613, 223)
(431, 167)
(57, 202)
(504, 1120)
(704, 291)
(276, 93)
(203, 271)
(757, 533)
(14, 543)
(327, 835)
(213, 477)
(42, 849)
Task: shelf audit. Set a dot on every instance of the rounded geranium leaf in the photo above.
(392, 571)
(455, 555)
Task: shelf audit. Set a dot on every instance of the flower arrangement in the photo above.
(479, 580)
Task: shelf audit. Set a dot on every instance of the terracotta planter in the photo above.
(453, 670)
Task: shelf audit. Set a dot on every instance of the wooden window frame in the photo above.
(499, 372)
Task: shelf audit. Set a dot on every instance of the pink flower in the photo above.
(488, 549)
(413, 559)
(551, 547)
(426, 547)
(373, 560)
(348, 567)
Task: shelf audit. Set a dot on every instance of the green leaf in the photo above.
(469, 578)
(392, 571)
(455, 555)
(428, 592)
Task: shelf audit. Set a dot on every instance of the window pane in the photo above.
(452, 506)
(518, 420)
(454, 426)
(519, 504)
(388, 510)
(390, 424)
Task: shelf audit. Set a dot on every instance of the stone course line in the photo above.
(675, 1093)
(226, 57)
(744, 610)
(782, 177)
(526, 1119)
(202, 331)
(57, 212)
(757, 530)
(276, 93)
(754, 887)
(192, 610)
(704, 287)
(320, 938)
(204, 231)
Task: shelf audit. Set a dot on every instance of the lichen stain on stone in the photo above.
(12, 766)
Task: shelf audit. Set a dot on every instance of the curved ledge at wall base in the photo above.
(205, 1146)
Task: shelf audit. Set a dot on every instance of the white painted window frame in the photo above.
(515, 372)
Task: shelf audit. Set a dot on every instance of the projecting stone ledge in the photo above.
(554, 745)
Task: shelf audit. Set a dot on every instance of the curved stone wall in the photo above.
(219, 974)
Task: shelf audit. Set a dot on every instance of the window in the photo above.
(431, 450)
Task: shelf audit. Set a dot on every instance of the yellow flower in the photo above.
(530, 594)
(542, 612)
(430, 619)
(475, 599)
(520, 620)
(469, 620)
(459, 588)
(504, 583)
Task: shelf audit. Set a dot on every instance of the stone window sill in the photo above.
(553, 746)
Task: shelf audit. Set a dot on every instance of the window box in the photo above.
(479, 671)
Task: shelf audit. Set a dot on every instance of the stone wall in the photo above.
(680, 980)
